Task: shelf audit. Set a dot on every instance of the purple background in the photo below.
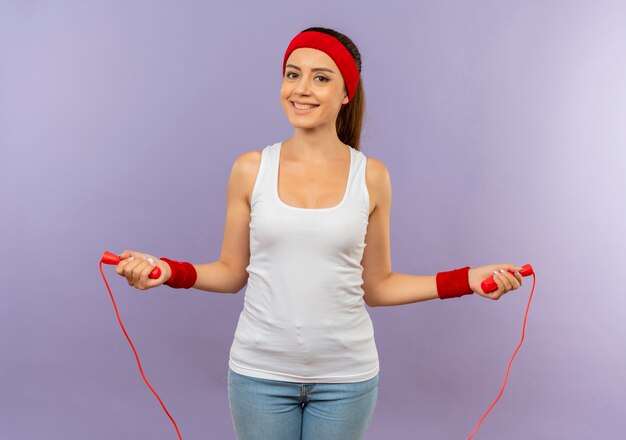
(502, 125)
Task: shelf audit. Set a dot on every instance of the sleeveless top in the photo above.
(304, 317)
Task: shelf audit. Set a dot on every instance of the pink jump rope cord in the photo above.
(136, 356)
(509, 366)
(110, 258)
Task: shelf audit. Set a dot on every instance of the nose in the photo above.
(302, 85)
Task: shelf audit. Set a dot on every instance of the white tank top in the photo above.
(304, 317)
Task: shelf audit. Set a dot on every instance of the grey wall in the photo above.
(502, 125)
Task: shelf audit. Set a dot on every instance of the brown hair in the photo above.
(350, 118)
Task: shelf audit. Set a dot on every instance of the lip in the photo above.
(302, 112)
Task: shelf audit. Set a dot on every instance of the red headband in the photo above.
(334, 49)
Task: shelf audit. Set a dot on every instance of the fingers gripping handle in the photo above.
(111, 258)
(489, 285)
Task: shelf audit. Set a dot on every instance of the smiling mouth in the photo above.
(303, 107)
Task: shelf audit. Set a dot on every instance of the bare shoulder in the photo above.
(245, 170)
(378, 182)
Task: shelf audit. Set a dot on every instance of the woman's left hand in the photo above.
(505, 280)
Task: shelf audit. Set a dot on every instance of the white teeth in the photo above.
(302, 107)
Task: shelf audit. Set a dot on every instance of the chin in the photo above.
(301, 125)
(298, 121)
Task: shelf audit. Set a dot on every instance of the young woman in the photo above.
(307, 229)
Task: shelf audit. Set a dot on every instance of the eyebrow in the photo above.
(315, 69)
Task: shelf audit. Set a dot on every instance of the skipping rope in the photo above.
(487, 286)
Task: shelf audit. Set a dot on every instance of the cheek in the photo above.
(283, 89)
(334, 94)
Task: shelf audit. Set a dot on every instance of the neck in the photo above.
(311, 146)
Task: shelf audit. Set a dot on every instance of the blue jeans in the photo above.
(264, 409)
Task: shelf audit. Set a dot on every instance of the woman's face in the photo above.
(302, 84)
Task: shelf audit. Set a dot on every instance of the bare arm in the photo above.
(399, 288)
(381, 286)
(217, 277)
(228, 274)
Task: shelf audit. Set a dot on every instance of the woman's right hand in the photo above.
(136, 266)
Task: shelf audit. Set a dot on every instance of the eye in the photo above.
(318, 76)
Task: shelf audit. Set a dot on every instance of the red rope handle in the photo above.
(136, 356)
(509, 367)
